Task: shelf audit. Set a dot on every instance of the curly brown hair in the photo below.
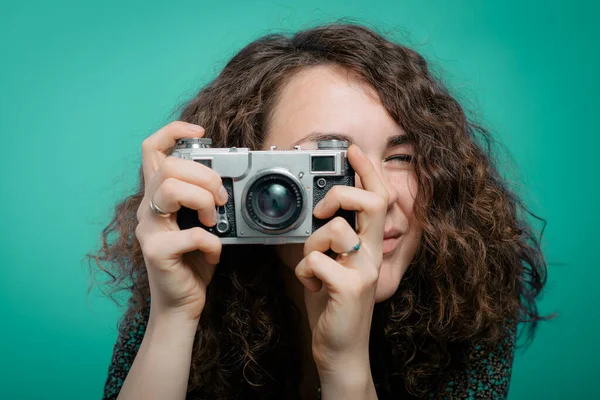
(479, 266)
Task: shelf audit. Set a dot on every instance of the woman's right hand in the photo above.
(177, 282)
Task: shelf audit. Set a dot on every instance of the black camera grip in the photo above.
(188, 218)
(320, 192)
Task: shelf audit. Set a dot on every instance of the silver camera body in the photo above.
(272, 193)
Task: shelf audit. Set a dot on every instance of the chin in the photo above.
(385, 289)
(382, 294)
(389, 280)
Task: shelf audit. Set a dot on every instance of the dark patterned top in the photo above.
(487, 375)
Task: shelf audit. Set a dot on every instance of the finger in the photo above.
(317, 269)
(370, 206)
(363, 167)
(190, 172)
(336, 235)
(172, 194)
(170, 246)
(155, 146)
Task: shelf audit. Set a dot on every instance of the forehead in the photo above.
(329, 99)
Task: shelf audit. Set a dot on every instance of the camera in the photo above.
(272, 193)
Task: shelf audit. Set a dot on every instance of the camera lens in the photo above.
(274, 200)
(274, 203)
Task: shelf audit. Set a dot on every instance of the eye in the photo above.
(400, 158)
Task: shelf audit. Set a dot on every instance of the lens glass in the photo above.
(274, 202)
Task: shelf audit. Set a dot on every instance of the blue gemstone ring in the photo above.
(354, 249)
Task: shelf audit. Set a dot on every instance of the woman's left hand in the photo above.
(340, 294)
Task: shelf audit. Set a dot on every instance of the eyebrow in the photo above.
(392, 141)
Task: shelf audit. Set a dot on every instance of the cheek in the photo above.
(411, 185)
(393, 269)
(405, 185)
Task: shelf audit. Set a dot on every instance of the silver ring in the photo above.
(157, 210)
(353, 249)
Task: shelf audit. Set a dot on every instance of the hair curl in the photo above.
(479, 264)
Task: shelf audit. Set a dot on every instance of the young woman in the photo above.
(422, 300)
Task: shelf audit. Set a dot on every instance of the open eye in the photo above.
(400, 158)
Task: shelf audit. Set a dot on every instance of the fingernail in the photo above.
(215, 216)
(223, 196)
(360, 152)
(195, 128)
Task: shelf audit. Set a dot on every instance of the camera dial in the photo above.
(332, 144)
(194, 143)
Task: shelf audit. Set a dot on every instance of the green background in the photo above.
(83, 83)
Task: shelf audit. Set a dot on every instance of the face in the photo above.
(328, 100)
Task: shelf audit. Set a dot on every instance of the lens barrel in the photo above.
(274, 202)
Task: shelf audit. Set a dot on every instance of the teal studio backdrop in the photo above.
(83, 83)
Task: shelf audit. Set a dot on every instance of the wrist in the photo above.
(333, 363)
(171, 323)
(345, 374)
(161, 367)
(355, 382)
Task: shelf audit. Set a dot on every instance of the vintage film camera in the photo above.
(271, 193)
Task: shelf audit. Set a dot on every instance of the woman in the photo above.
(421, 301)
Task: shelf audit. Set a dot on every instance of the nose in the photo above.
(392, 190)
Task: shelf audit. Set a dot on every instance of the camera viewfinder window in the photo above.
(207, 163)
(322, 164)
